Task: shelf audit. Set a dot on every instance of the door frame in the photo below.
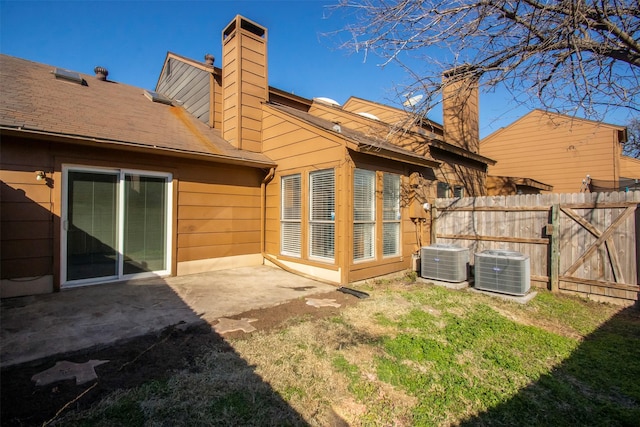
(64, 218)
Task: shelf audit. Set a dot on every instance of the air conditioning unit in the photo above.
(503, 271)
(446, 262)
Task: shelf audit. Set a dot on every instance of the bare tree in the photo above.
(632, 146)
(572, 56)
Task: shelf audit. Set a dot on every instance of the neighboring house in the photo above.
(545, 151)
(215, 169)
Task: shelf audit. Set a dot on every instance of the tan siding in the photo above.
(245, 86)
(629, 167)
(212, 226)
(217, 200)
(217, 212)
(553, 151)
(216, 207)
(217, 251)
(296, 148)
(383, 112)
(378, 268)
(26, 219)
(460, 114)
(193, 240)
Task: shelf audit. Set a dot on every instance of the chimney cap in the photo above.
(101, 73)
(209, 59)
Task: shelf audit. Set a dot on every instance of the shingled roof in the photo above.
(35, 102)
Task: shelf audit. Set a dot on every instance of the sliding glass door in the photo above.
(115, 225)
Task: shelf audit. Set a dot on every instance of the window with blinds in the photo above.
(364, 214)
(291, 216)
(390, 214)
(322, 214)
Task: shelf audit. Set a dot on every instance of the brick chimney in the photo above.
(460, 109)
(244, 83)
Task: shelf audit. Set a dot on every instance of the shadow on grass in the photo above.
(599, 384)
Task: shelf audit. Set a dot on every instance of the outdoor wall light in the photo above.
(41, 176)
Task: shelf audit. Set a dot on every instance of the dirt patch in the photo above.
(136, 361)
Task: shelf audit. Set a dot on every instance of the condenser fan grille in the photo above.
(444, 262)
(507, 272)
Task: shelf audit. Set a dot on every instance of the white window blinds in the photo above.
(322, 214)
(391, 215)
(291, 215)
(364, 214)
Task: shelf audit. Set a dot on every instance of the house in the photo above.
(213, 169)
(543, 152)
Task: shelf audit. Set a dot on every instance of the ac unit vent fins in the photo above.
(502, 271)
(445, 262)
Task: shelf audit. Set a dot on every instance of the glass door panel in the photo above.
(145, 224)
(92, 225)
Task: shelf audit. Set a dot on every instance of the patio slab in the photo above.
(39, 326)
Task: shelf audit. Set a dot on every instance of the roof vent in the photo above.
(101, 73)
(69, 76)
(156, 97)
(209, 59)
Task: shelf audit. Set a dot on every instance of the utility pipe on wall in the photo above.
(263, 208)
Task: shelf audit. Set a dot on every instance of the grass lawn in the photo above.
(412, 354)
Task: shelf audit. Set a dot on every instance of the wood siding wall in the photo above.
(27, 214)
(190, 85)
(288, 141)
(596, 237)
(629, 167)
(349, 120)
(298, 148)
(384, 113)
(216, 208)
(245, 85)
(460, 114)
(218, 212)
(554, 150)
(394, 116)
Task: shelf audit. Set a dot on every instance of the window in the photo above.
(390, 214)
(443, 190)
(458, 191)
(290, 216)
(364, 214)
(322, 214)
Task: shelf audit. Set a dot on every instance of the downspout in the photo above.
(263, 209)
(263, 232)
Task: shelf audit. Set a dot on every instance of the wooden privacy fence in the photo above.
(583, 242)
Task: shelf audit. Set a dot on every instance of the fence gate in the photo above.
(594, 247)
(583, 242)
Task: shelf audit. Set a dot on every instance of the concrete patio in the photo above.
(38, 326)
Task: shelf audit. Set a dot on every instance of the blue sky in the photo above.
(131, 39)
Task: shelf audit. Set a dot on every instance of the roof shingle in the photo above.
(34, 100)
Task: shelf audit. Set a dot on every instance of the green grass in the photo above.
(412, 354)
(506, 357)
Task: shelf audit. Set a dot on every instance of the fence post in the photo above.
(434, 222)
(554, 261)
